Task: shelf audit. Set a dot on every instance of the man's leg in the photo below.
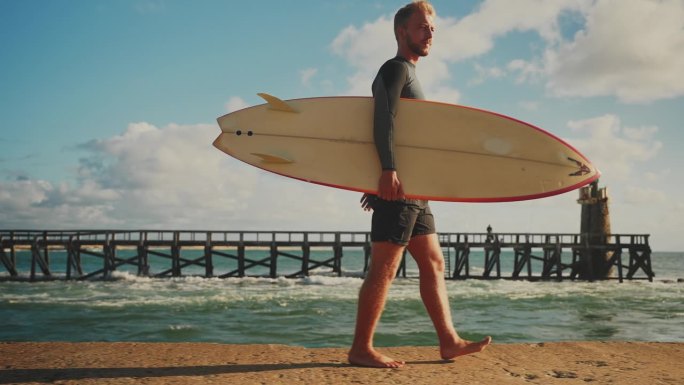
(427, 252)
(385, 259)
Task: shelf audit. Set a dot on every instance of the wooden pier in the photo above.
(554, 256)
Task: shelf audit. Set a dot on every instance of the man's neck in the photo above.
(409, 56)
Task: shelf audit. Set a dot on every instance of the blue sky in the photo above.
(108, 108)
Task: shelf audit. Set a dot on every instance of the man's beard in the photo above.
(417, 49)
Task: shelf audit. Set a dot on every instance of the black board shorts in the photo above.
(399, 221)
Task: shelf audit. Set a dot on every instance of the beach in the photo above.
(209, 363)
(194, 330)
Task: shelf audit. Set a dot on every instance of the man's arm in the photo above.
(386, 93)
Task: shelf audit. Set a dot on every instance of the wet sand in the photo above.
(205, 363)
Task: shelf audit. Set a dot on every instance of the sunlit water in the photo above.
(320, 310)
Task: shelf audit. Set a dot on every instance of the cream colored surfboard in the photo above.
(443, 152)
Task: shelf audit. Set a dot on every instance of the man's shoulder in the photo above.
(396, 62)
(395, 65)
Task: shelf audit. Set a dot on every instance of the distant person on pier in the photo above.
(400, 223)
(490, 235)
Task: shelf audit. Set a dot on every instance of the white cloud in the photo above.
(306, 75)
(632, 49)
(529, 105)
(365, 48)
(644, 195)
(526, 70)
(44, 205)
(485, 73)
(172, 174)
(172, 177)
(21, 193)
(145, 177)
(614, 148)
(658, 176)
(235, 103)
(474, 34)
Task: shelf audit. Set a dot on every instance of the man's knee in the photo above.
(436, 263)
(431, 263)
(385, 259)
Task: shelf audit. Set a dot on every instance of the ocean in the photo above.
(319, 310)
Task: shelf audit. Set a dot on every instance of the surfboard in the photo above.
(443, 152)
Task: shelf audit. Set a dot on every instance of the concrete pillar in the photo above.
(595, 230)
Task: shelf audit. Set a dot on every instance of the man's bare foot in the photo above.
(373, 359)
(463, 347)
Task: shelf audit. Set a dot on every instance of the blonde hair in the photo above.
(404, 14)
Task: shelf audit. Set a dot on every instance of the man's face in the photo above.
(418, 33)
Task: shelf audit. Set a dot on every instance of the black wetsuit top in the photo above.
(396, 79)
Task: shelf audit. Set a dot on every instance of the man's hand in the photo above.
(367, 201)
(389, 187)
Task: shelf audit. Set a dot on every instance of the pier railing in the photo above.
(467, 255)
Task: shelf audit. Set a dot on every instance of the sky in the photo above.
(108, 108)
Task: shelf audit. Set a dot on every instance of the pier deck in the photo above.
(534, 256)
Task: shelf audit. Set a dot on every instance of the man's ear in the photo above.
(401, 33)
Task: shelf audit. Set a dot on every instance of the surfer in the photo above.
(399, 223)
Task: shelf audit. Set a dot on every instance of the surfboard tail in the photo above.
(217, 141)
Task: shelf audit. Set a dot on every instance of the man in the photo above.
(400, 223)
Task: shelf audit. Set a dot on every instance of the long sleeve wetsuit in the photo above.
(396, 79)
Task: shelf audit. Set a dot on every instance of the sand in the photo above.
(568, 363)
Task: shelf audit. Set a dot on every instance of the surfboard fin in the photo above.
(276, 103)
(268, 158)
